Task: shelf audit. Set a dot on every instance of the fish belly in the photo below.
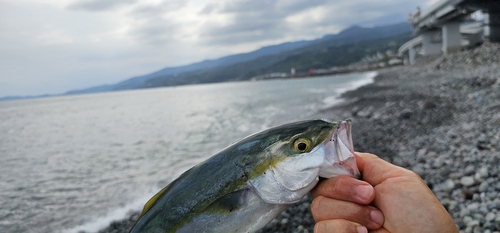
(251, 216)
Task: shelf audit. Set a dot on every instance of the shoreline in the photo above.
(339, 71)
(439, 118)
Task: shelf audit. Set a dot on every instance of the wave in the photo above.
(331, 101)
(103, 221)
(369, 78)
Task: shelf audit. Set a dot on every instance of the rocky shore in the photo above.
(439, 118)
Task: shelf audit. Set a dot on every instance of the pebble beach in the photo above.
(439, 118)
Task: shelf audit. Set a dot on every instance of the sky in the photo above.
(53, 46)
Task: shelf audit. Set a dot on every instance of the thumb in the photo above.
(375, 170)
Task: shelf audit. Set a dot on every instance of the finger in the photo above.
(323, 208)
(338, 225)
(381, 230)
(345, 188)
(375, 170)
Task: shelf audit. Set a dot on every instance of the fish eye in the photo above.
(302, 145)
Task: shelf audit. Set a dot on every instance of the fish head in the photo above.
(319, 149)
(325, 146)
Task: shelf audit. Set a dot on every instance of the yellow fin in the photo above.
(152, 201)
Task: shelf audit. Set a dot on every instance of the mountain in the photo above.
(347, 47)
(256, 59)
(329, 54)
(357, 33)
(133, 83)
(7, 98)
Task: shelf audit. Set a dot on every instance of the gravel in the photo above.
(439, 118)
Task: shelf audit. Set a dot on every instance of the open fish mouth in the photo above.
(339, 153)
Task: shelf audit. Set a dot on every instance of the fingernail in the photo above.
(364, 192)
(377, 217)
(361, 229)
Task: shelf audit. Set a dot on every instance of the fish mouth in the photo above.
(339, 153)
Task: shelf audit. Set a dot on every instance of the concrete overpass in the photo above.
(471, 34)
(441, 28)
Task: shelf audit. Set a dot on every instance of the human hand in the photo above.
(344, 204)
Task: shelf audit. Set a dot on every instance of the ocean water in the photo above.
(76, 163)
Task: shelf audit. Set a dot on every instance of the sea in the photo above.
(76, 163)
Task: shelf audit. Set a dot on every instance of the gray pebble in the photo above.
(490, 217)
(469, 170)
(473, 223)
(467, 181)
(483, 186)
(483, 172)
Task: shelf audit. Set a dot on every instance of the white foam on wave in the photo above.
(330, 101)
(101, 222)
(243, 128)
(369, 78)
(316, 90)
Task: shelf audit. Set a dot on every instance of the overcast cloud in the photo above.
(99, 5)
(52, 46)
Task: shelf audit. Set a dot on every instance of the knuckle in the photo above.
(336, 183)
(337, 186)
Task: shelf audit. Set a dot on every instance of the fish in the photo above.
(249, 183)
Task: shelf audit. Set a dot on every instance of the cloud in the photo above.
(247, 21)
(99, 5)
(234, 22)
(55, 37)
(243, 22)
(209, 8)
(93, 42)
(160, 24)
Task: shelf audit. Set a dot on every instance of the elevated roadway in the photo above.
(441, 28)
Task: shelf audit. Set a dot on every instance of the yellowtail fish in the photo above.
(246, 185)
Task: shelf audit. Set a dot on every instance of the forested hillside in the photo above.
(325, 55)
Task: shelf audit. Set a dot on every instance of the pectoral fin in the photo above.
(230, 202)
